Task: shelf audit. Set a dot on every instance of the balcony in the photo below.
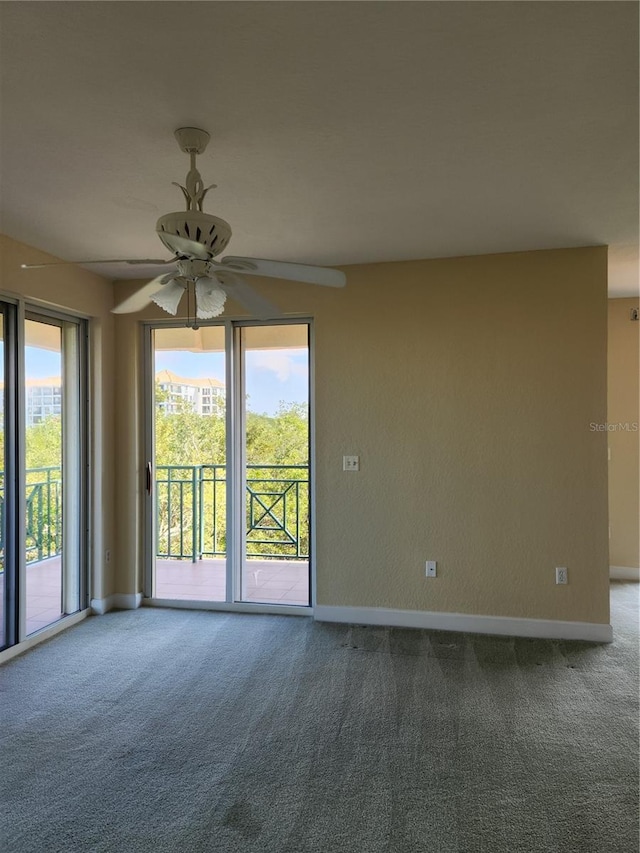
(191, 525)
(191, 536)
(43, 527)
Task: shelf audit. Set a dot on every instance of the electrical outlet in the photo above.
(430, 569)
(107, 556)
(561, 574)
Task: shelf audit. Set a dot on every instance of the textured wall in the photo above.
(467, 386)
(76, 290)
(623, 374)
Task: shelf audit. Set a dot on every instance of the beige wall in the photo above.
(76, 290)
(467, 387)
(623, 375)
(130, 461)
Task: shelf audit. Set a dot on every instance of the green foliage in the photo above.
(44, 443)
(43, 450)
(279, 440)
(185, 439)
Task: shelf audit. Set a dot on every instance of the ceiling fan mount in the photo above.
(192, 140)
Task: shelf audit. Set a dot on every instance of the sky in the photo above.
(39, 363)
(272, 376)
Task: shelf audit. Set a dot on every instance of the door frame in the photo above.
(16, 312)
(235, 456)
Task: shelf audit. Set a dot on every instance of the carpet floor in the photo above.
(167, 730)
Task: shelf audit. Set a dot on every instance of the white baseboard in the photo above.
(44, 634)
(624, 573)
(549, 629)
(100, 606)
(116, 601)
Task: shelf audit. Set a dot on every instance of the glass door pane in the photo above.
(190, 464)
(3, 533)
(43, 473)
(275, 417)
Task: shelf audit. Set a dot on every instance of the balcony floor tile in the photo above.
(266, 582)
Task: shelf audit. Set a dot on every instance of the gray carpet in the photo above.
(161, 730)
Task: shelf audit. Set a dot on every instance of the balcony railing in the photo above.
(191, 511)
(43, 513)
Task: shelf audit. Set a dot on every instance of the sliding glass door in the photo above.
(189, 464)
(228, 463)
(43, 387)
(43, 488)
(275, 463)
(5, 605)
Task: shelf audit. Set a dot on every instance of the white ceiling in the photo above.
(341, 132)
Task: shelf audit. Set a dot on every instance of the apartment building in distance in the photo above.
(43, 398)
(205, 395)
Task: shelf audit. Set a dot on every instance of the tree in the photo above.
(44, 443)
(191, 476)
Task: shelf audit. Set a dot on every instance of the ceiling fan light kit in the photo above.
(196, 238)
(210, 298)
(169, 296)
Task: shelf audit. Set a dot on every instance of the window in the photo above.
(42, 483)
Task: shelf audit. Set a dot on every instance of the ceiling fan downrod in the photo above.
(193, 141)
(210, 232)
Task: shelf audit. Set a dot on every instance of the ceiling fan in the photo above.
(195, 238)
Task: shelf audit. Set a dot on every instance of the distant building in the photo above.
(43, 398)
(204, 396)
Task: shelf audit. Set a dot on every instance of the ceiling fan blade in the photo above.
(210, 298)
(142, 297)
(183, 246)
(281, 269)
(146, 261)
(241, 292)
(169, 296)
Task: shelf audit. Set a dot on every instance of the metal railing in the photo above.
(43, 528)
(191, 511)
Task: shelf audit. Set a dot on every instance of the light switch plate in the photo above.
(350, 463)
